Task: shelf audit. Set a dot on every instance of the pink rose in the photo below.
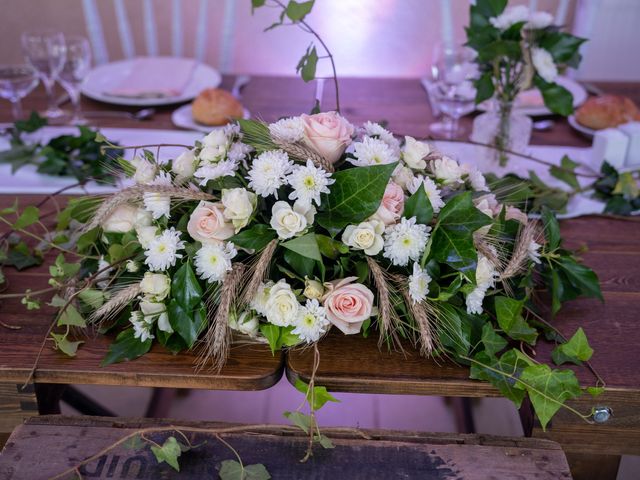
(207, 224)
(347, 304)
(328, 134)
(392, 204)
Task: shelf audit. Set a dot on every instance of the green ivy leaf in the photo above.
(254, 238)
(64, 345)
(556, 98)
(493, 343)
(256, 4)
(331, 248)
(185, 288)
(70, 316)
(188, 323)
(355, 195)
(595, 391)
(419, 206)
(566, 172)
(297, 11)
(307, 65)
(233, 470)
(126, 347)
(548, 389)
(21, 256)
(452, 241)
(484, 87)
(563, 47)
(491, 8)
(551, 229)
(300, 420)
(509, 314)
(581, 277)
(306, 245)
(29, 216)
(576, 350)
(502, 373)
(168, 452)
(320, 394)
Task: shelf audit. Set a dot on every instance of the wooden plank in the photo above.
(49, 445)
(17, 403)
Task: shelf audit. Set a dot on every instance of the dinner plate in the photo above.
(105, 77)
(589, 132)
(577, 90)
(182, 118)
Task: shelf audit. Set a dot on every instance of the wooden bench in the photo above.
(46, 446)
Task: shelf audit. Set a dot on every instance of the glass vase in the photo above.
(504, 128)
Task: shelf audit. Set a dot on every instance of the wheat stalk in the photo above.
(257, 272)
(387, 316)
(302, 152)
(115, 304)
(520, 254)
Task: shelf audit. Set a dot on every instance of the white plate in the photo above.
(105, 77)
(182, 118)
(589, 132)
(577, 90)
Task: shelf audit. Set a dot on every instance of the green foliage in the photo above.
(234, 470)
(188, 323)
(509, 314)
(278, 337)
(168, 452)
(307, 65)
(556, 98)
(320, 394)
(300, 420)
(492, 342)
(29, 216)
(619, 191)
(306, 245)
(419, 206)
(296, 11)
(64, 345)
(501, 372)
(256, 134)
(125, 347)
(576, 350)
(254, 238)
(566, 172)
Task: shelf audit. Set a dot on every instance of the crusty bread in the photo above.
(607, 111)
(214, 106)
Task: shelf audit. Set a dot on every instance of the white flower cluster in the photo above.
(405, 241)
(486, 275)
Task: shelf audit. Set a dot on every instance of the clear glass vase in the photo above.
(504, 128)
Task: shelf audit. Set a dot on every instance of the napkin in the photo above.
(155, 77)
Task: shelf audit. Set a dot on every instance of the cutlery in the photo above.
(542, 125)
(240, 82)
(144, 114)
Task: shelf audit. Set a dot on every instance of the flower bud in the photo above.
(313, 289)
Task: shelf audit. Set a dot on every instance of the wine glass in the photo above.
(453, 89)
(16, 81)
(75, 68)
(45, 51)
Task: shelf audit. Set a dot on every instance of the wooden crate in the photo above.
(46, 446)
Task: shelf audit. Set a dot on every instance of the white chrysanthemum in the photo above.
(308, 182)
(419, 283)
(430, 188)
(405, 241)
(474, 300)
(232, 130)
(289, 130)
(141, 328)
(239, 151)
(486, 273)
(162, 251)
(372, 129)
(372, 151)
(145, 170)
(311, 322)
(225, 168)
(544, 64)
(158, 204)
(476, 179)
(268, 172)
(534, 251)
(510, 16)
(259, 301)
(213, 261)
(539, 20)
(447, 170)
(282, 305)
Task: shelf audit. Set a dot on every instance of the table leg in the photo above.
(16, 404)
(587, 466)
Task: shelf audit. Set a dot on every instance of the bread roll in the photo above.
(214, 106)
(607, 111)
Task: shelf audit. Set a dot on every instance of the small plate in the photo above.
(589, 132)
(182, 118)
(101, 79)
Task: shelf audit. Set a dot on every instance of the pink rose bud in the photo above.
(328, 133)
(207, 224)
(348, 304)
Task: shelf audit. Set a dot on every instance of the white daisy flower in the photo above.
(158, 204)
(239, 151)
(225, 168)
(372, 129)
(213, 261)
(430, 188)
(534, 251)
(141, 328)
(308, 182)
(311, 321)
(162, 251)
(419, 283)
(405, 241)
(474, 300)
(372, 151)
(268, 172)
(289, 130)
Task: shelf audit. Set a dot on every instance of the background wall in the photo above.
(387, 38)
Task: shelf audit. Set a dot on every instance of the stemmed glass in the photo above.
(16, 81)
(453, 90)
(45, 51)
(76, 67)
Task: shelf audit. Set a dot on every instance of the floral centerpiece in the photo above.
(279, 233)
(517, 49)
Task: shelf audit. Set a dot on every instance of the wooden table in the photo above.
(355, 364)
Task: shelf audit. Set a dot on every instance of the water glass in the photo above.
(75, 68)
(16, 82)
(45, 51)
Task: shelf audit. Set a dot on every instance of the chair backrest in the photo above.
(200, 29)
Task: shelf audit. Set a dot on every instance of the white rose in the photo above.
(143, 218)
(145, 170)
(447, 170)
(413, 153)
(216, 138)
(403, 176)
(539, 20)
(185, 165)
(366, 236)
(156, 311)
(239, 204)
(476, 179)
(246, 323)
(313, 289)
(121, 220)
(132, 266)
(485, 272)
(155, 286)
(544, 65)
(211, 154)
(145, 235)
(282, 305)
(259, 301)
(288, 221)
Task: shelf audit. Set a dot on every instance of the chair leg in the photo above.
(463, 413)
(586, 466)
(48, 396)
(160, 402)
(84, 404)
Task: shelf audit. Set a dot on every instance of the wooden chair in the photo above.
(46, 446)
